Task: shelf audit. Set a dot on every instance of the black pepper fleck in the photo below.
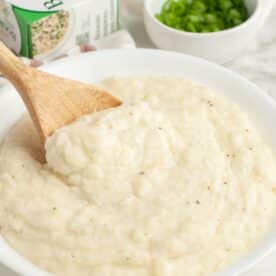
(197, 202)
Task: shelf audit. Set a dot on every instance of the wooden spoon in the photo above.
(52, 101)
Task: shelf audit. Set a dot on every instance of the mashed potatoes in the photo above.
(174, 182)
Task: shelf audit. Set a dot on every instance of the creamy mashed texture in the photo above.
(174, 182)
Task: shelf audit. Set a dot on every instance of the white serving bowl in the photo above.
(94, 66)
(219, 46)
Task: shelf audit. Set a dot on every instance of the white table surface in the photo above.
(257, 63)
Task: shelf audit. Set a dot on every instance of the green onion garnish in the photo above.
(202, 16)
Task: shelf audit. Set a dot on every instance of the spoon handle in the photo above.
(11, 67)
(19, 74)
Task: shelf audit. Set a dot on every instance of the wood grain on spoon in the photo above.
(52, 101)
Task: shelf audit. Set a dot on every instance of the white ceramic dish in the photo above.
(220, 46)
(94, 66)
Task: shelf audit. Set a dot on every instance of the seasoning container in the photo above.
(46, 29)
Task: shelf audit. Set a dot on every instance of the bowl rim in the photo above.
(252, 19)
(22, 265)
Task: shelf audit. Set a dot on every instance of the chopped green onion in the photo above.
(203, 15)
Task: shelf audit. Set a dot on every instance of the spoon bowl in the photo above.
(52, 101)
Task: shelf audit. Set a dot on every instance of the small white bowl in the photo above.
(219, 46)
